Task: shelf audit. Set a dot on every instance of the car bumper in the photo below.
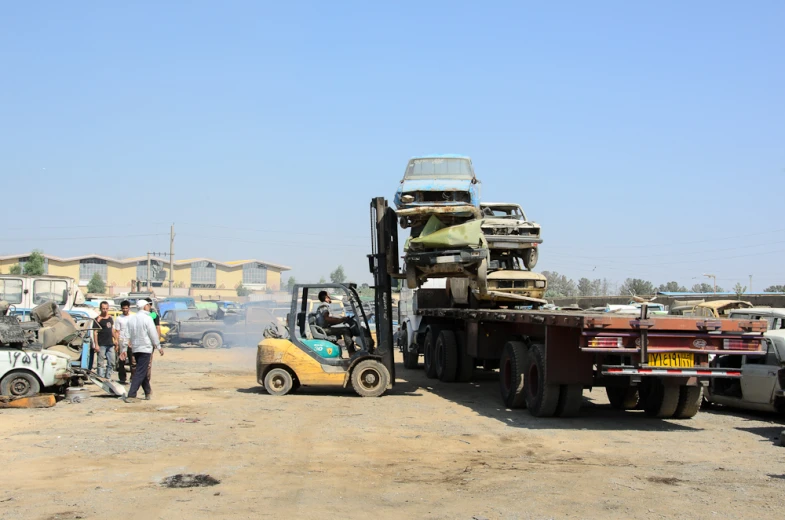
(466, 256)
(511, 242)
(457, 210)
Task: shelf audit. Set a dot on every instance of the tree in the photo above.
(36, 264)
(671, 287)
(702, 288)
(636, 287)
(338, 276)
(96, 284)
(290, 283)
(243, 290)
(322, 280)
(15, 269)
(585, 287)
(739, 290)
(559, 286)
(775, 288)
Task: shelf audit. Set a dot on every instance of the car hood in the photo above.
(512, 274)
(436, 185)
(436, 236)
(507, 222)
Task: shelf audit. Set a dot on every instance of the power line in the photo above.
(669, 254)
(278, 231)
(273, 242)
(81, 238)
(724, 238)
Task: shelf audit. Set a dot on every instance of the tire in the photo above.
(690, 398)
(623, 397)
(512, 367)
(410, 359)
(661, 401)
(212, 340)
(278, 381)
(429, 354)
(446, 356)
(370, 378)
(465, 361)
(570, 400)
(19, 384)
(530, 257)
(542, 398)
(411, 277)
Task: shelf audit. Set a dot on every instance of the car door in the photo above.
(759, 376)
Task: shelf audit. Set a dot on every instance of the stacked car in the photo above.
(486, 251)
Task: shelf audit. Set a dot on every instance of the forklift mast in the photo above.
(383, 263)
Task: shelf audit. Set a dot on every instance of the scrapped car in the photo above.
(507, 283)
(506, 227)
(762, 380)
(717, 308)
(443, 185)
(443, 252)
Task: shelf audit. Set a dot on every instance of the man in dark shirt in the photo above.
(103, 342)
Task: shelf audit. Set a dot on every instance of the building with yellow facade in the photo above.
(197, 276)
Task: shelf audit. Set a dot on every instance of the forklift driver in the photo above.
(340, 327)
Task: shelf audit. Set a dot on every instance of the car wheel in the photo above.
(530, 257)
(212, 340)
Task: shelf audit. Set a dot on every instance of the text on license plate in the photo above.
(672, 359)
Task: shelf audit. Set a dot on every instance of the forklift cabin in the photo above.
(312, 356)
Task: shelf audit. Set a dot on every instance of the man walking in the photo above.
(103, 342)
(122, 339)
(143, 337)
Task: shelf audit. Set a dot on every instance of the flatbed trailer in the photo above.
(547, 358)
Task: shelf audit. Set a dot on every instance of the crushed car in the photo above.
(441, 185)
(506, 228)
(508, 283)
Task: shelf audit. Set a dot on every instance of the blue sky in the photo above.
(647, 139)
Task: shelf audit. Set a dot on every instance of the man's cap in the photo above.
(141, 303)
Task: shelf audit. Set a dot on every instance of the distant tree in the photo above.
(243, 290)
(36, 264)
(671, 287)
(15, 269)
(322, 280)
(338, 276)
(637, 287)
(702, 288)
(290, 283)
(96, 285)
(559, 286)
(739, 290)
(586, 287)
(775, 288)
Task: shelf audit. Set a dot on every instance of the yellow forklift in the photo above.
(314, 356)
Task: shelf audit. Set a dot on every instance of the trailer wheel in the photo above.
(465, 361)
(370, 378)
(512, 367)
(622, 397)
(278, 381)
(542, 398)
(19, 384)
(212, 340)
(429, 354)
(410, 359)
(570, 400)
(690, 398)
(446, 357)
(660, 400)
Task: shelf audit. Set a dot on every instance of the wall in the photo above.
(273, 280)
(585, 302)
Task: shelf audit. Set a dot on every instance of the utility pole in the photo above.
(750, 283)
(171, 259)
(714, 276)
(170, 254)
(148, 270)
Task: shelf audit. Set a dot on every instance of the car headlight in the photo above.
(407, 199)
(540, 284)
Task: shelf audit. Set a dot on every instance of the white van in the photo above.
(25, 292)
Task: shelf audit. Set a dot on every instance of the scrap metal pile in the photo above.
(486, 251)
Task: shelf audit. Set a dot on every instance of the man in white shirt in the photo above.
(122, 339)
(143, 338)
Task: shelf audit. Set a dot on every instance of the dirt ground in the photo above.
(425, 450)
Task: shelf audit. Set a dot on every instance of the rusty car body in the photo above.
(506, 228)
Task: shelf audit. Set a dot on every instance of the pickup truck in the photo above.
(224, 329)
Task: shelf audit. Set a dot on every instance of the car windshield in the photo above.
(437, 167)
(503, 211)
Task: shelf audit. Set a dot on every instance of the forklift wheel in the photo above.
(278, 381)
(370, 378)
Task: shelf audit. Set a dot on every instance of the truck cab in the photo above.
(26, 292)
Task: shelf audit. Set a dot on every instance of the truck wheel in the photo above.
(530, 257)
(512, 367)
(212, 340)
(278, 381)
(428, 354)
(542, 398)
(411, 277)
(370, 378)
(446, 356)
(570, 400)
(465, 361)
(622, 397)
(690, 398)
(410, 359)
(660, 400)
(19, 384)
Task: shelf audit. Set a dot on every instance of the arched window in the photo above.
(157, 272)
(203, 274)
(254, 274)
(88, 267)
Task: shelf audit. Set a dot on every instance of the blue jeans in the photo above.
(105, 361)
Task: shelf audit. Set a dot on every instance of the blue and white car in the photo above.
(440, 185)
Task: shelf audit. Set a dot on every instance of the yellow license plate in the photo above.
(672, 359)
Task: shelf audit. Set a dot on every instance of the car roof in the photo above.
(499, 205)
(715, 304)
(770, 311)
(442, 156)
